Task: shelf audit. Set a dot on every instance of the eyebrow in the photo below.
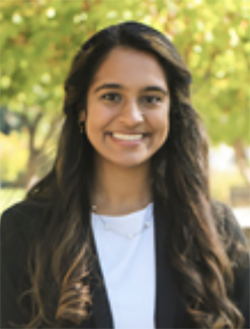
(108, 86)
(117, 86)
(156, 88)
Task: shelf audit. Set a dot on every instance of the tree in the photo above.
(213, 37)
(40, 37)
(38, 40)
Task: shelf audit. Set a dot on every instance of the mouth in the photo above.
(128, 137)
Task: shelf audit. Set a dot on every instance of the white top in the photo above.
(128, 267)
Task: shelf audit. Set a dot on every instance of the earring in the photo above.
(82, 127)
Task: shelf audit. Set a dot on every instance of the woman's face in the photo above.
(127, 108)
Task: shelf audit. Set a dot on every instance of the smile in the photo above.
(127, 137)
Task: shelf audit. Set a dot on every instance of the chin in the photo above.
(124, 161)
(130, 163)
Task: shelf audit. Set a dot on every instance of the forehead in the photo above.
(130, 67)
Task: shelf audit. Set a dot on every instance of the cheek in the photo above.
(98, 117)
(164, 130)
(161, 126)
(161, 121)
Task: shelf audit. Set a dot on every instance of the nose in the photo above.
(131, 114)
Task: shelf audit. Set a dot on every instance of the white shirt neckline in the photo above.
(128, 268)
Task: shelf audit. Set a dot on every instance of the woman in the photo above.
(122, 233)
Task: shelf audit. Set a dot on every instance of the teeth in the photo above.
(127, 137)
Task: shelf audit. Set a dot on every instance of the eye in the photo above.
(112, 97)
(151, 99)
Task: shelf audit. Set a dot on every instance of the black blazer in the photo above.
(17, 229)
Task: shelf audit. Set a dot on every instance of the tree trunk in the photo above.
(31, 170)
(31, 176)
(37, 160)
(241, 160)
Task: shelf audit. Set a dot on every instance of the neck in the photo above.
(119, 191)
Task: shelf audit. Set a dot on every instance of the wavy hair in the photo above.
(61, 261)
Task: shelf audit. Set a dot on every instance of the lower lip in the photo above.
(126, 142)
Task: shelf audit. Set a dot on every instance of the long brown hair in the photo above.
(60, 260)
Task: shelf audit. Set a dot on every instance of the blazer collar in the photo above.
(101, 309)
(166, 290)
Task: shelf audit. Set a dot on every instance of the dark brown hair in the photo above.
(61, 258)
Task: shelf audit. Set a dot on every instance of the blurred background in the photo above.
(39, 39)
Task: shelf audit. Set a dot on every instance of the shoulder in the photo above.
(18, 226)
(22, 220)
(226, 220)
(230, 232)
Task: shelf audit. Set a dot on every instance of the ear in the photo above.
(82, 116)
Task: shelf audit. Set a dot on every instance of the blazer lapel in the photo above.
(166, 290)
(101, 310)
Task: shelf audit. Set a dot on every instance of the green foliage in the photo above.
(213, 38)
(40, 37)
(13, 156)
